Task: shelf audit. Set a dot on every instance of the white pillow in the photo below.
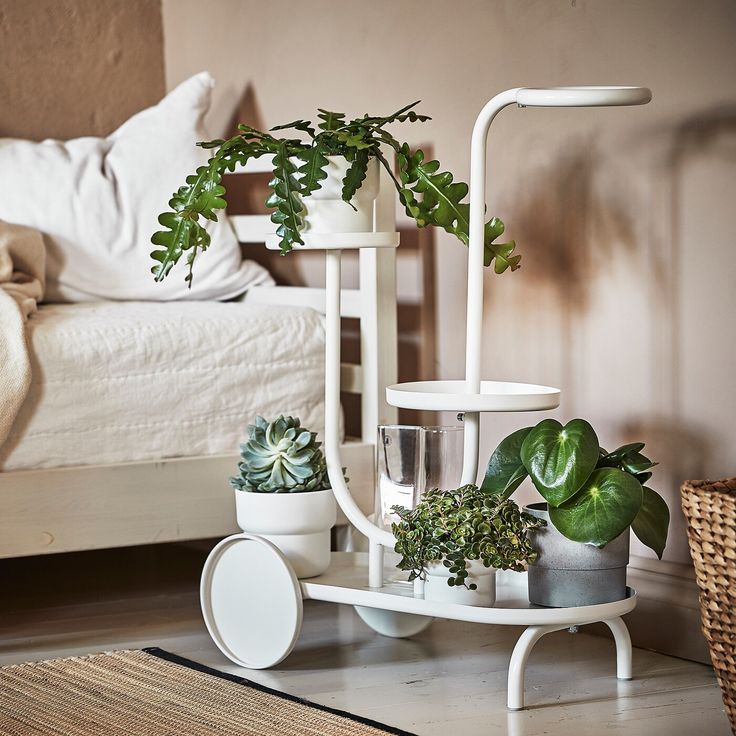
(97, 200)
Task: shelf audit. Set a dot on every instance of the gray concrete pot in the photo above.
(572, 574)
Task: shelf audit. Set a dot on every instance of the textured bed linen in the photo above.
(129, 381)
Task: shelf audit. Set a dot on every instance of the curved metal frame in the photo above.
(532, 634)
(524, 97)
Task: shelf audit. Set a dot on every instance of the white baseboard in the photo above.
(667, 616)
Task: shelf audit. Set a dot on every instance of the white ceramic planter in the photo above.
(297, 523)
(325, 210)
(437, 589)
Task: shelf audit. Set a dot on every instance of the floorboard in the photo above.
(450, 679)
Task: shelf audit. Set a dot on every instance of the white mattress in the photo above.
(128, 381)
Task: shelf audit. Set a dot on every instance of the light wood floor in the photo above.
(450, 679)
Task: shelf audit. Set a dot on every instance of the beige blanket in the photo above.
(22, 262)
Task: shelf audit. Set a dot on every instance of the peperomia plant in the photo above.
(429, 195)
(460, 525)
(592, 495)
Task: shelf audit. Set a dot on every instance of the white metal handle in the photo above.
(524, 97)
(473, 339)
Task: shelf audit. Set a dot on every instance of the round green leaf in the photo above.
(635, 463)
(505, 471)
(605, 506)
(652, 522)
(613, 459)
(560, 459)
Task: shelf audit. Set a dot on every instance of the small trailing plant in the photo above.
(460, 525)
(429, 195)
(592, 495)
(281, 457)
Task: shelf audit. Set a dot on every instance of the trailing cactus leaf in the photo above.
(285, 199)
(304, 125)
(441, 205)
(355, 175)
(331, 121)
(400, 116)
(430, 196)
(313, 169)
(500, 255)
(202, 194)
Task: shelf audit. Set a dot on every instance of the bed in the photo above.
(129, 436)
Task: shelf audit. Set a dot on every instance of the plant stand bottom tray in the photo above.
(253, 605)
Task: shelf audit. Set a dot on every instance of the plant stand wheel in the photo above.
(251, 601)
(394, 624)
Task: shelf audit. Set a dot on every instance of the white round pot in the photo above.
(297, 523)
(437, 589)
(326, 211)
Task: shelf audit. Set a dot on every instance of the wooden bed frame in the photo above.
(175, 499)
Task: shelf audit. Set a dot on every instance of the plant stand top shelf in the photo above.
(453, 396)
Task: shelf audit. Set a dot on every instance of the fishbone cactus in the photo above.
(281, 457)
(431, 196)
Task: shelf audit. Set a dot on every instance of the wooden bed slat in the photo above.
(252, 228)
(45, 511)
(304, 296)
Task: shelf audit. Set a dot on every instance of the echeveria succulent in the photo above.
(281, 457)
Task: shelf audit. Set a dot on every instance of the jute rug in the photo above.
(155, 693)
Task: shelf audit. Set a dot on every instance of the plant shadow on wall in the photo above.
(687, 450)
(571, 233)
(569, 230)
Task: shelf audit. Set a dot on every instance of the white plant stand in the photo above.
(251, 598)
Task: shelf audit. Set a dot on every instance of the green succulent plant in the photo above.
(429, 195)
(592, 495)
(460, 525)
(281, 457)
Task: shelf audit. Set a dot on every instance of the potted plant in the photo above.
(592, 499)
(456, 540)
(324, 181)
(282, 492)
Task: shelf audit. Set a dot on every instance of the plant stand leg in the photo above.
(623, 647)
(519, 657)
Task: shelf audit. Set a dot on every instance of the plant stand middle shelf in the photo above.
(253, 607)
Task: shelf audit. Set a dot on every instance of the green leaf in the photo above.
(560, 459)
(635, 462)
(355, 137)
(303, 125)
(285, 199)
(652, 522)
(330, 120)
(613, 459)
(505, 471)
(441, 205)
(313, 170)
(603, 508)
(202, 194)
(401, 116)
(355, 175)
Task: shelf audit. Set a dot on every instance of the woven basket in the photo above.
(710, 509)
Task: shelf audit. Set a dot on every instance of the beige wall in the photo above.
(77, 67)
(626, 299)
